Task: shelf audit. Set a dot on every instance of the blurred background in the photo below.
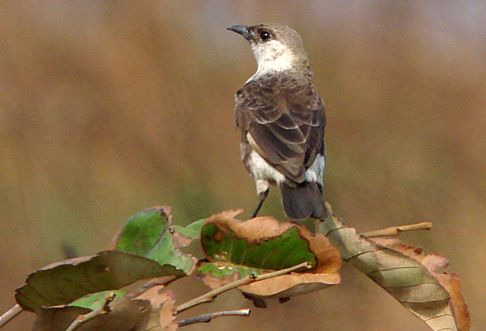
(109, 107)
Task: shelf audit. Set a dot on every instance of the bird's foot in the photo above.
(261, 198)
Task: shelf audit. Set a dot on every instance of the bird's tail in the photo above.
(304, 200)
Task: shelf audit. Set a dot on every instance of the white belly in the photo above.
(263, 173)
(260, 169)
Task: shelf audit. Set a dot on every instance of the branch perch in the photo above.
(92, 314)
(10, 315)
(206, 318)
(211, 295)
(396, 230)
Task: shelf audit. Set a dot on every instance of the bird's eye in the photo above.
(265, 35)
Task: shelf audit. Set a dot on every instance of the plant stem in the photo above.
(206, 318)
(92, 314)
(163, 281)
(396, 230)
(211, 295)
(10, 315)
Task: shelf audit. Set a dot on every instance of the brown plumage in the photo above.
(282, 122)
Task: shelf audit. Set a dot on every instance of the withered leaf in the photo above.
(162, 303)
(236, 249)
(406, 273)
(450, 282)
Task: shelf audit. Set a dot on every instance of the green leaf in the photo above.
(237, 249)
(285, 250)
(124, 315)
(65, 281)
(222, 270)
(96, 300)
(148, 234)
(191, 231)
(185, 235)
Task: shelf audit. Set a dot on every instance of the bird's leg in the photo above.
(317, 222)
(261, 198)
(316, 226)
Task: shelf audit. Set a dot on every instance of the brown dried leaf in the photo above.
(406, 273)
(450, 282)
(290, 285)
(162, 302)
(167, 313)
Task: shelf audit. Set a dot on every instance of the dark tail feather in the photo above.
(304, 200)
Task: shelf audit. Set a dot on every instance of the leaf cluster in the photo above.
(127, 287)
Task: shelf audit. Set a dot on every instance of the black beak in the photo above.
(241, 29)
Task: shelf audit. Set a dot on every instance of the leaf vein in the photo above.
(362, 253)
(437, 316)
(394, 268)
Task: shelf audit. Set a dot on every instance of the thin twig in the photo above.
(10, 315)
(206, 318)
(92, 314)
(396, 230)
(211, 295)
(161, 281)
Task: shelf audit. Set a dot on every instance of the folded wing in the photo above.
(283, 121)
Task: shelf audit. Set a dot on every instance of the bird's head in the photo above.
(276, 47)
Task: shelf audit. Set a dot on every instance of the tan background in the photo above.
(110, 107)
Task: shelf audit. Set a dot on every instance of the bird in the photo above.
(282, 121)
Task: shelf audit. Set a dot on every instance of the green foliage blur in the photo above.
(109, 107)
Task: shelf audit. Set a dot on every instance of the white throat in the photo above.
(273, 56)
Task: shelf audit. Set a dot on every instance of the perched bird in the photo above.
(282, 121)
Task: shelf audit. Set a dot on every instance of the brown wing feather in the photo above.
(282, 118)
